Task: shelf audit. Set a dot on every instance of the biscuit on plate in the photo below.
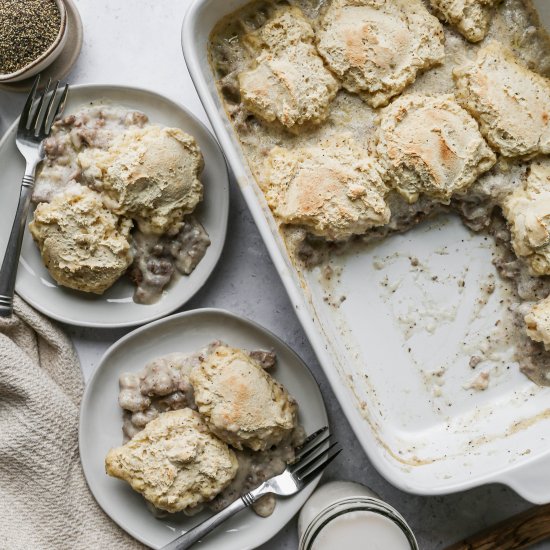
(510, 102)
(289, 82)
(174, 462)
(377, 47)
(242, 404)
(430, 145)
(333, 189)
(83, 245)
(527, 210)
(149, 174)
(470, 17)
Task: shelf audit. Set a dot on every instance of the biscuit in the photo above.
(241, 403)
(510, 102)
(527, 210)
(174, 462)
(537, 323)
(149, 174)
(377, 47)
(83, 245)
(289, 83)
(470, 17)
(334, 189)
(430, 145)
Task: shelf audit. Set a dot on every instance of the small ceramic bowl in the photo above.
(47, 57)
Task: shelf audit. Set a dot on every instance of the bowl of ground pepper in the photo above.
(32, 35)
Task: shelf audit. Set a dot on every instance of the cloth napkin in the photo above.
(45, 503)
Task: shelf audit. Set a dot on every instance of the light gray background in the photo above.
(137, 43)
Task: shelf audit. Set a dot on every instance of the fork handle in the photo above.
(202, 529)
(8, 271)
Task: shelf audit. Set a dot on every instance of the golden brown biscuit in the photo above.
(334, 189)
(511, 103)
(174, 462)
(150, 174)
(431, 145)
(377, 47)
(84, 245)
(527, 210)
(242, 404)
(289, 82)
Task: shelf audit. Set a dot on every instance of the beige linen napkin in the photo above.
(45, 503)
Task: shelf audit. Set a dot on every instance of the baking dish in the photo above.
(395, 342)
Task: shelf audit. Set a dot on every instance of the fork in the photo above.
(310, 461)
(34, 126)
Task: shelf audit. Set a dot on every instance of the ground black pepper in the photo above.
(27, 29)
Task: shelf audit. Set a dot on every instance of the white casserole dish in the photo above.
(383, 372)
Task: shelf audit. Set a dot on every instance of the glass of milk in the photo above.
(350, 516)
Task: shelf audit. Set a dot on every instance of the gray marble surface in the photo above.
(138, 43)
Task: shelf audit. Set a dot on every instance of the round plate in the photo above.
(115, 308)
(101, 422)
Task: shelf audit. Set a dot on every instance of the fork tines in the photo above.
(37, 120)
(314, 455)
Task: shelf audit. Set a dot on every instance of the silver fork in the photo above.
(35, 125)
(311, 459)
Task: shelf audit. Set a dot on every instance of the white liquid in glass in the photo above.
(361, 530)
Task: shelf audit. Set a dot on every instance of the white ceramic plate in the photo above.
(115, 308)
(101, 421)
